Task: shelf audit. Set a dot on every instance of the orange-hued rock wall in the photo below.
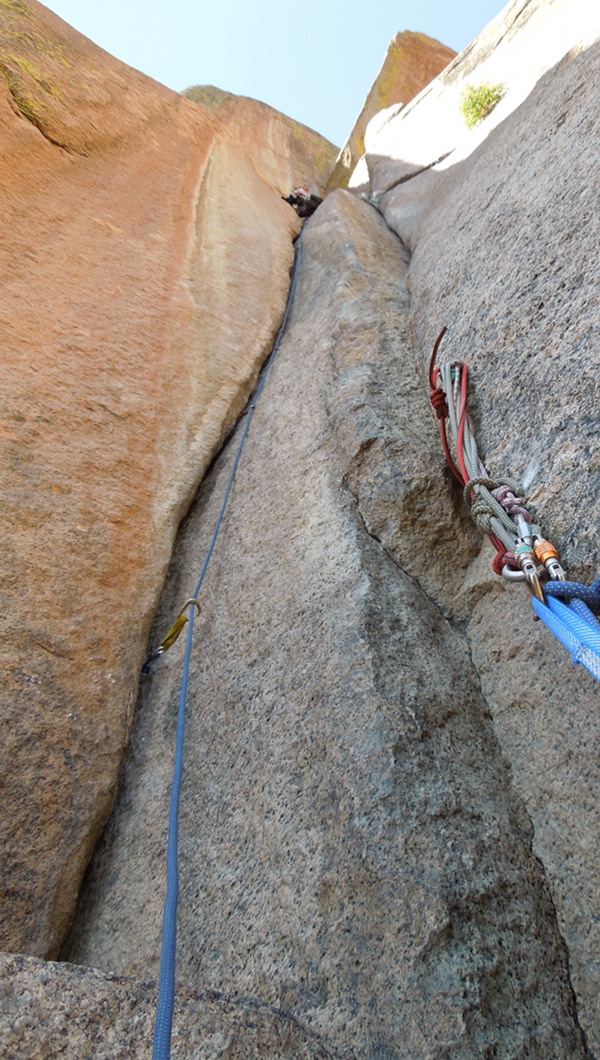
(284, 152)
(144, 266)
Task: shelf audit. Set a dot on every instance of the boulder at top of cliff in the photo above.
(521, 44)
(411, 62)
(144, 269)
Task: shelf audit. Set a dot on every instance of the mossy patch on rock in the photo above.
(15, 5)
(27, 60)
(207, 95)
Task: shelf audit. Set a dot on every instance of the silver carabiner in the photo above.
(512, 575)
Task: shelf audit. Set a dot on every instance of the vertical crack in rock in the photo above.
(351, 847)
(587, 1051)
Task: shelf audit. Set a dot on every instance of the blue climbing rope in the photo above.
(568, 591)
(166, 983)
(570, 612)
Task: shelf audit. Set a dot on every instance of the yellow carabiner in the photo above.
(178, 624)
(173, 632)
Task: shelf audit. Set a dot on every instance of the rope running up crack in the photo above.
(166, 985)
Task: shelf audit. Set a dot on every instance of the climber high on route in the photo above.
(303, 201)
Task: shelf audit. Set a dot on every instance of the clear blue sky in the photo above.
(316, 68)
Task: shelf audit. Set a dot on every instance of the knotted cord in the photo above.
(499, 508)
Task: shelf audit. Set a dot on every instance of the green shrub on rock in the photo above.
(478, 100)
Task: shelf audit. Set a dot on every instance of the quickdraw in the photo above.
(172, 634)
(498, 506)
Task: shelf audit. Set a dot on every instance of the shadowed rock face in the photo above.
(144, 267)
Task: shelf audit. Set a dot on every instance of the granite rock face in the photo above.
(49, 1010)
(144, 266)
(411, 62)
(527, 39)
(503, 238)
(351, 833)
